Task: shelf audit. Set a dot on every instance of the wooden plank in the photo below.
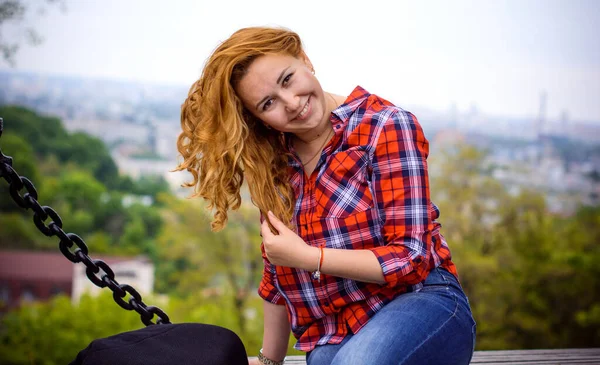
(544, 362)
(555, 356)
(513, 357)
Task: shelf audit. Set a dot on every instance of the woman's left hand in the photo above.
(286, 248)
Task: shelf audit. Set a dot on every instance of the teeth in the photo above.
(304, 110)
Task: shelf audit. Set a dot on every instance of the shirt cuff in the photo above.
(398, 268)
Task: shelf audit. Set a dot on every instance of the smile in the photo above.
(304, 112)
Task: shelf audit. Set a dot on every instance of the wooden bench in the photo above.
(528, 357)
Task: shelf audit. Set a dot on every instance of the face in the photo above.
(281, 91)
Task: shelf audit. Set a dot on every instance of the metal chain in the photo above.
(72, 246)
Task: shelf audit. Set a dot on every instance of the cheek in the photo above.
(309, 80)
(275, 119)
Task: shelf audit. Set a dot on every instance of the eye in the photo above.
(287, 79)
(267, 104)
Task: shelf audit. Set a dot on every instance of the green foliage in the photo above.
(81, 182)
(77, 188)
(13, 145)
(53, 332)
(149, 216)
(47, 136)
(17, 232)
(191, 253)
(92, 154)
(531, 276)
(44, 134)
(151, 185)
(215, 272)
(217, 309)
(555, 263)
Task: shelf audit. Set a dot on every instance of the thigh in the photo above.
(324, 354)
(431, 326)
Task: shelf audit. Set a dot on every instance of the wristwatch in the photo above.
(266, 361)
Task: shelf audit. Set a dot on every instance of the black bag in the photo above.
(181, 344)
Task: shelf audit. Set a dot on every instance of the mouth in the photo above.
(304, 112)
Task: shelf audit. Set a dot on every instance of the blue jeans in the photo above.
(431, 326)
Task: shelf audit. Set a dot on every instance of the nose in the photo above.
(291, 102)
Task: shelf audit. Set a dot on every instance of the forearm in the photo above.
(276, 331)
(359, 265)
(286, 248)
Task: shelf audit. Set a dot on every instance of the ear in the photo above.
(306, 61)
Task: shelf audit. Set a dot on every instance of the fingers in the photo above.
(275, 222)
(265, 228)
(265, 231)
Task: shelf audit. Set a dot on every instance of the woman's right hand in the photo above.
(254, 361)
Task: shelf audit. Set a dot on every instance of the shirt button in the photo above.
(326, 303)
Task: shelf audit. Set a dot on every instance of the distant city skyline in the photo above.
(497, 57)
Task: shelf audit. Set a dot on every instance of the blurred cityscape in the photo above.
(140, 123)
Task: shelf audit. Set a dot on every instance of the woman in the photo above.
(354, 262)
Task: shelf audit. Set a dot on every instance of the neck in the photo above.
(314, 138)
(314, 151)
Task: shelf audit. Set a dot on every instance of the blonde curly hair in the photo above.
(222, 143)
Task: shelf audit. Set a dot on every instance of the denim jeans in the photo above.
(431, 326)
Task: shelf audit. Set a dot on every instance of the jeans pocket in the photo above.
(435, 281)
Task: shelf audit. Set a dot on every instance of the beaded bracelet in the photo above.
(317, 274)
(266, 361)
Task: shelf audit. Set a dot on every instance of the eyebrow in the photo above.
(278, 82)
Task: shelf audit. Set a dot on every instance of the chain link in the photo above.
(21, 200)
(79, 253)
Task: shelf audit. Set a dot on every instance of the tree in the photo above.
(18, 232)
(556, 270)
(151, 186)
(204, 267)
(47, 136)
(13, 13)
(23, 162)
(52, 333)
(42, 133)
(531, 276)
(468, 200)
(89, 153)
(76, 195)
(16, 225)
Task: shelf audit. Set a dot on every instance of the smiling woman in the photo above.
(354, 262)
(292, 102)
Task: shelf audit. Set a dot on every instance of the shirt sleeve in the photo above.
(401, 187)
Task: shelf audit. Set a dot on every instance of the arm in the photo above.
(360, 265)
(287, 249)
(275, 320)
(401, 191)
(276, 333)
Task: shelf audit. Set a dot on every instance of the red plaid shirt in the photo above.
(370, 190)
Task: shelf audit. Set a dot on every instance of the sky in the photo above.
(496, 56)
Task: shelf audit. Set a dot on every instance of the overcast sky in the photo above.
(496, 55)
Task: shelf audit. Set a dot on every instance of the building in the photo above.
(36, 276)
